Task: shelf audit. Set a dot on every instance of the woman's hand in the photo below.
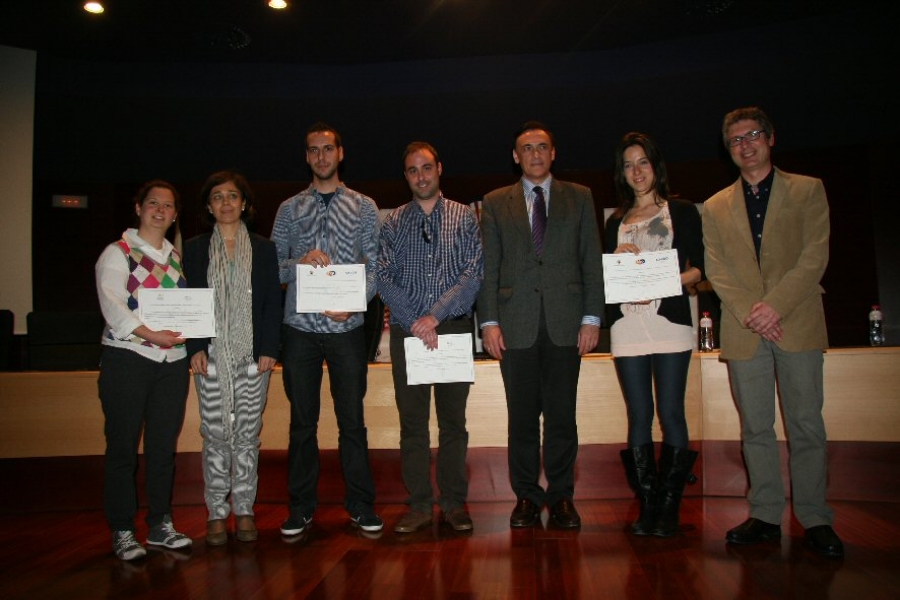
(266, 363)
(199, 363)
(627, 248)
(163, 338)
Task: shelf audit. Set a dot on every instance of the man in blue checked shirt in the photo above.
(327, 223)
(429, 272)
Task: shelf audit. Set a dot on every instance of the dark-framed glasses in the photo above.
(750, 136)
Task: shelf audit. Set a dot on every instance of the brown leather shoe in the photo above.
(564, 514)
(525, 514)
(216, 532)
(414, 520)
(458, 518)
(246, 528)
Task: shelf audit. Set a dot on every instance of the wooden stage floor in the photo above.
(63, 554)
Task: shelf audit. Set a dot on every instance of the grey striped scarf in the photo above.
(234, 312)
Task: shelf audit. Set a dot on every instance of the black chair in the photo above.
(64, 341)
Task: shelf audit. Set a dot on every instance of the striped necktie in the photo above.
(538, 219)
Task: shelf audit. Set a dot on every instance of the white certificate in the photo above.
(638, 277)
(451, 362)
(338, 288)
(187, 310)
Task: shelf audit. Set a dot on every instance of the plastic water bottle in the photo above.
(707, 344)
(876, 326)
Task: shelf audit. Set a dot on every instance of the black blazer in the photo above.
(687, 240)
(267, 304)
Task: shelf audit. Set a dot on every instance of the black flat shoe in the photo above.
(525, 514)
(823, 540)
(564, 514)
(753, 531)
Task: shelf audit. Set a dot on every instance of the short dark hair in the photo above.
(240, 182)
(320, 127)
(747, 113)
(144, 191)
(660, 175)
(414, 147)
(533, 126)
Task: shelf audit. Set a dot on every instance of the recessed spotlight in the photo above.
(277, 4)
(94, 7)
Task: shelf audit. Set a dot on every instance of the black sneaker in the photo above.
(126, 547)
(368, 521)
(295, 525)
(165, 535)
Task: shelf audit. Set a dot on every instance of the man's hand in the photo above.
(338, 317)
(588, 337)
(492, 340)
(316, 258)
(765, 321)
(425, 328)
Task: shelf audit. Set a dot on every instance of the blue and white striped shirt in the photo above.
(346, 230)
(430, 264)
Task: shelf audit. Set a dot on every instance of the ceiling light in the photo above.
(94, 7)
(277, 4)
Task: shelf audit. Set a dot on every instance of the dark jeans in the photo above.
(414, 406)
(136, 394)
(303, 354)
(542, 380)
(669, 372)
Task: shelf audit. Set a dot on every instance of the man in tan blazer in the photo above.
(766, 239)
(540, 307)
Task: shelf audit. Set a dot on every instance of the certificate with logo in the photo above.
(190, 311)
(450, 362)
(639, 277)
(338, 288)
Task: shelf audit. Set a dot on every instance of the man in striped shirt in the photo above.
(327, 223)
(429, 272)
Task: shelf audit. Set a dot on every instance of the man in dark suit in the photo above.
(540, 306)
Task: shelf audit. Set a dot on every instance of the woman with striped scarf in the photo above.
(231, 371)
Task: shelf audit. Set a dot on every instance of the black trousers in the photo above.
(303, 356)
(542, 381)
(139, 394)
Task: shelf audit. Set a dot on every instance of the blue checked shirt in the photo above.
(346, 230)
(430, 265)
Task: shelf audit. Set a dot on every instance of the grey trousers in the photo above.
(230, 462)
(799, 377)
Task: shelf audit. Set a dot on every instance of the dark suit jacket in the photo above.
(567, 277)
(793, 257)
(687, 240)
(267, 304)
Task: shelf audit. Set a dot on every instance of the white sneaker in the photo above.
(126, 547)
(165, 535)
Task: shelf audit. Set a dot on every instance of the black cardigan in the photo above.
(687, 240)
(268, 311)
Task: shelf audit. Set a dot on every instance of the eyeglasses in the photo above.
(425, 234)
(751, 136)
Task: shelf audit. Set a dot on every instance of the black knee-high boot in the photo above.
(640, 468)
(675, 466)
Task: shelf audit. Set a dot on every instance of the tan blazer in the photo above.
(567, 277)
(793, 257)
